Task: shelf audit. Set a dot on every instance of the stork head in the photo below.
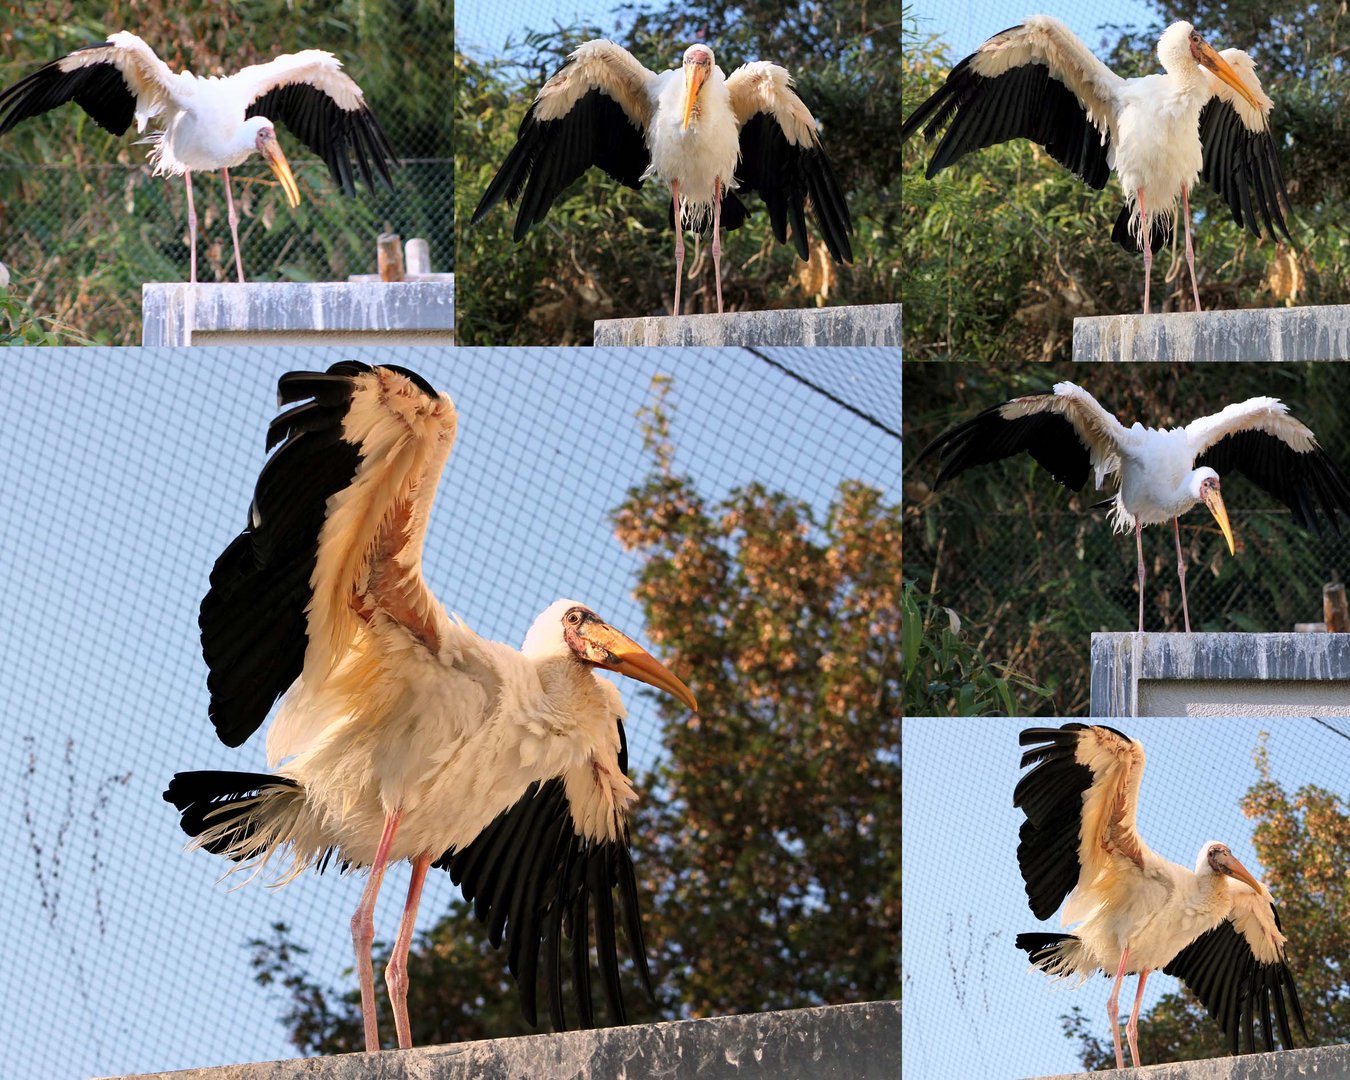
(1182, 47)
(568, 628)
(698, 65)
(1204, 487)
(265, 142)
(1215, 858)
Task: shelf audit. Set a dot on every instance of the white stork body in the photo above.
(707, 135)
(1207, 116)
(213, 122)
(402, 733)
(1157, 474)
(701, 157)
(1215, 928)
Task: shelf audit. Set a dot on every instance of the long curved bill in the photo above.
(271, 152)
(1223, 70)
(607, 648)
(695, 75)
(1237, 870)
(1214, 501)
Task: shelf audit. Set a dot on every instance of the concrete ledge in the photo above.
(1298, 333)
(867, 324)
(299, 313)
(847, 1042)
(1329, 1062)
(1220, 675)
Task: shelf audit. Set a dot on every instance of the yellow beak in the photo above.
(1214, 501)
(271, 152)
(1221, 68)
(1237, 870)
(695, 75)
(607, 648)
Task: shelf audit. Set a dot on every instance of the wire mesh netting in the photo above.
(1032, 570)
(129, 472)
(973, 1006)
(83, 223)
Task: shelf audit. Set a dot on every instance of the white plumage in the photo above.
(213, 122)
(1160, 133)
(403, 734)
(1157, 474)
(708, 136)
(1214, 927)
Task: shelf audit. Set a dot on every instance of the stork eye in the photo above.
(573, 616)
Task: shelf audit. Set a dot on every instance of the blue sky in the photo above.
(483, 27)
(127, 471)
(973, 1007)
(964, 26)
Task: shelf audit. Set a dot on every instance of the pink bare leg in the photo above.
(679, 244)
(1181, 573)
(1139, 547)
(363, 930)
(234, 224)
(396, 973)
(192, 230)
(1146, 235)
(1190, 255)
(1113, 1010)
(717, 239)
(1132, 1025)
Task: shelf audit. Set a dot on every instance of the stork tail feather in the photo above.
(248, 817)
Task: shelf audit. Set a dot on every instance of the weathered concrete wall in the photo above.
(294, 313)
(1220, 675)
(1327, 1062)
(836, 1042)
(871, 324)
(1297, 333)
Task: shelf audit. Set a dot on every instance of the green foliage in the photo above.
(771, 828)
(83, 223)
(1303, 841)
(945, 673)
(1038, 240)
(20, 326)
(1034, 570)
(606, 251)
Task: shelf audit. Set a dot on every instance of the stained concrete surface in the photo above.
(1294, 333)
(833, 1042)
(860, 325)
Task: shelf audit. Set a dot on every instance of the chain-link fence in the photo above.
(83, 223)
(130, 470)
(1032, 570)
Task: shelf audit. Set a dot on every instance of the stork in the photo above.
(1215, 928)
(710, 136)
(402, 733)
(207, 123)
(1206, 117)
(1157, 474)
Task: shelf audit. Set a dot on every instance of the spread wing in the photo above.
(1240, 159)
(1035, 81)
(1067, 432)
(1278, 453)
(782, 158)
(1238, 972)
(557, 865)
(334, 535)
(594, 111)
(1080, 801)
(310, 94)
(115, 81)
